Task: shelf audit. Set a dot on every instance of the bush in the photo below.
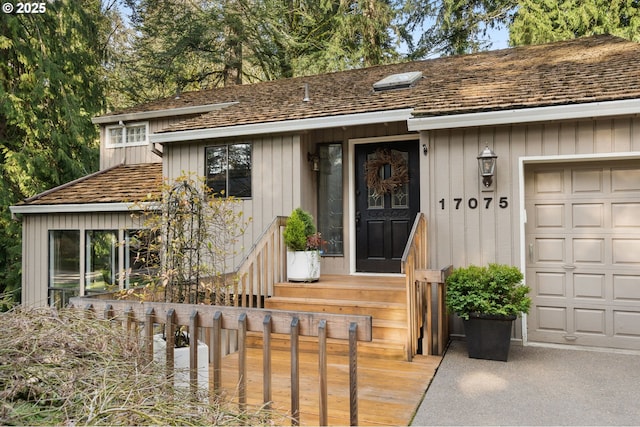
(298, 229)
(493, 290)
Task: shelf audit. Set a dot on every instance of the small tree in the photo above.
(196, 236)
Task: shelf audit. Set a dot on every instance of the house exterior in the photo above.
(366, 150)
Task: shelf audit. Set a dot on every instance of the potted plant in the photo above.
(488, 299)
(303, 247)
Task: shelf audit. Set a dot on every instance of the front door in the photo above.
(387, 201)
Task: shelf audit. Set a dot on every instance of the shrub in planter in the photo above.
(493, 295)
(303, 243)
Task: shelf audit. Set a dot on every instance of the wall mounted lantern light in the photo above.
(314, 159)
(487, 164)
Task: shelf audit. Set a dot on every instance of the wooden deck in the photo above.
(389, 391)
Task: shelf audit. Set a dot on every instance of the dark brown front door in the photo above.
(387, 201)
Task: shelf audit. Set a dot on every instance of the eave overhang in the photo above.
(527, 115)
(155, 114)
(82, 208)
(298, 125)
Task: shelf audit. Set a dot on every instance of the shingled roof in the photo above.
(592, 69)
(119, 184)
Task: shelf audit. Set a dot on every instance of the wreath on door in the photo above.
(399, 171)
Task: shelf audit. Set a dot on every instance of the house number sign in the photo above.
(476, 203)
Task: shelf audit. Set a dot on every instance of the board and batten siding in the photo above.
(35, 245)
(134, 155)
(471, 234)
(280, 179)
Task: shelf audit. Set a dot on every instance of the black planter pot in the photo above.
(488, 337)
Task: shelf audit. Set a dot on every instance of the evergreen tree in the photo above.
(543, 21)
(50, 86)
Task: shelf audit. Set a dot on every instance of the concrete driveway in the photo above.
(537, 386)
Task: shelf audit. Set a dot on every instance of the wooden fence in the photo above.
(207, 323)
(422, 285)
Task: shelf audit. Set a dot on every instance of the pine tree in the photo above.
(50, 87)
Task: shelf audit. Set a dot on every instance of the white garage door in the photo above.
(583, 253)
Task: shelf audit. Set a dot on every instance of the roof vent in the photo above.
(398, 81)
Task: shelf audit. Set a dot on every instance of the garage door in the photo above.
(583, 253)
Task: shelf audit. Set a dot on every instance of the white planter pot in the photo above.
(181, 362)
(303, 266)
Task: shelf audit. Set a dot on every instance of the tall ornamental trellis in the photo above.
(184, 236)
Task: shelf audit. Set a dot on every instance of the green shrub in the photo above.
(299, 227)
(494, 290)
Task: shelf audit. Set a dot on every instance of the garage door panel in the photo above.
(551, 318)
(550, 216)
(583, 253)
(626, 288)
(590, 286)
(550, 250)
(626, 323)
(588, 251)
(549, 182)
(625, 215)
(551, 284)
(589, 321)
(626, 251)
(589, 215)
(625, 179)
(587, 181)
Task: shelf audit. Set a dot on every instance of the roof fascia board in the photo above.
(82, 208)
(283, 126)
(146, 115)
(527, 115)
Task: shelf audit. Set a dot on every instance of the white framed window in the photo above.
(129, 135)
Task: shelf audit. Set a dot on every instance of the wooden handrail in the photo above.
(420, 282)
(213, 319)
(262, 267)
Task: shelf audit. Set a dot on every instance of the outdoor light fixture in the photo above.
(487, 164)
(314, 159)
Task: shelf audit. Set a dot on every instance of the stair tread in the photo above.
(343, 302)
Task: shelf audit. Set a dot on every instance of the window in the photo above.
(228, 169)
(103, 262)
(101, 270)
(127, 135)
(330, 208)
(142, 257)
(64, 266)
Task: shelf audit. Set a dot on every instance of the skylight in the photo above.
(398, 81)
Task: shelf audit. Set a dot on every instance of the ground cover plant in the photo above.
(59, 367)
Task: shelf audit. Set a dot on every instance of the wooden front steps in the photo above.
(382, 297)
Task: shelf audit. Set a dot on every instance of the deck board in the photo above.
(389, 391)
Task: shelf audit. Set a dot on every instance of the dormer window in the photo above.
(128, 135)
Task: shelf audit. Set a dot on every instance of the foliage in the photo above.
(64, 368)
(195, 236)
(453, 26)
(495, 290)
(537, 22)
(300, 233)
(51, 84)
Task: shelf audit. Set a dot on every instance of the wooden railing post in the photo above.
(170, 332)
(148, 333)
(266, 361)
(215, 355)
(242, 361)
(295, 373)
(193, 352)
(353, 374)
(322, 372)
